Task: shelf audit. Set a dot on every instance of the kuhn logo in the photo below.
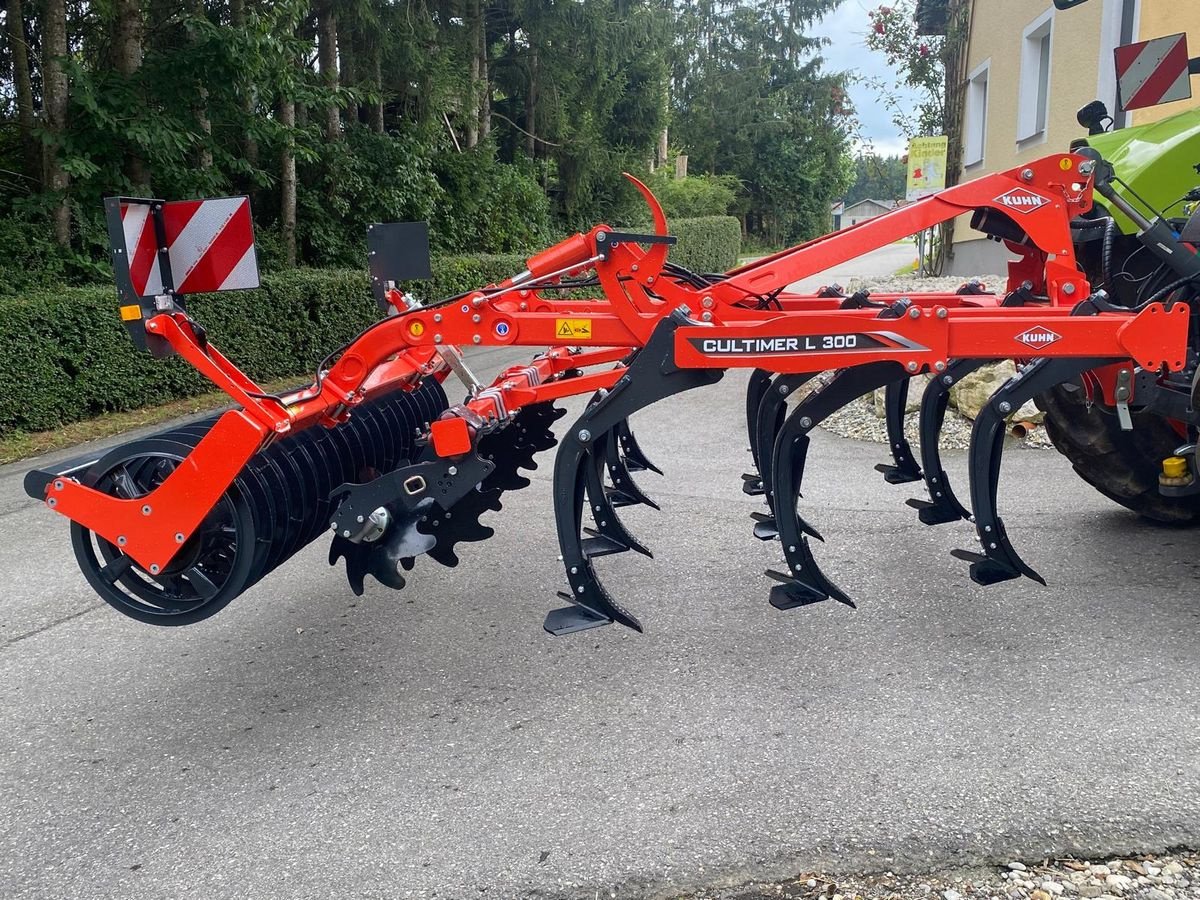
(1038, 337)
(1021, 200)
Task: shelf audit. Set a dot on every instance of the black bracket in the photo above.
(607, 240)
(136, 309)
(397, 251)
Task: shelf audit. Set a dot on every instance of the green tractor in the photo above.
(1139, 246)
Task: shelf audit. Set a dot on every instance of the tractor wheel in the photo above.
(1122, 465)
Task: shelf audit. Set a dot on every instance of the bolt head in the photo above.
(912, 367)
(940, 366)
(52, 503)
(707, 302)
(914, 313)
(806, 422)
(437, 338)
(941, 312)
(476, 339)
(58, 485)
(1005, 406)
(584, 435)
(146, 510)
(122, 540)
(1027, 175)
(154, 569)
(179, 537)
(346, 533)
(706, 316)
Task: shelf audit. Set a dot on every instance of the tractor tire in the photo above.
(1122, 465)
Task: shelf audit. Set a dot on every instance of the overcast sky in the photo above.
(846, 29)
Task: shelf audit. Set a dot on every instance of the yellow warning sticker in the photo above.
(131, 313)
(573, 328)
(416, 328)
(1066, 164)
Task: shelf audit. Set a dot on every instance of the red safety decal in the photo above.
(1153, 72)
(210, 246)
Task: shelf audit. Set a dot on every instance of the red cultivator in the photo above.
(171, 528)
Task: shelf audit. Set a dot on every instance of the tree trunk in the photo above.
(474, 89)
(24, 89)
(237, 16)
(485, 84)
(54, 91)
(204, 157)
(126, 60)
(531, 101)
(287, 182)
(375, 113)
(349, 59)
(327, 61)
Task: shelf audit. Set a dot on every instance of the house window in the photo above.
(975, 126)
(1034, 97)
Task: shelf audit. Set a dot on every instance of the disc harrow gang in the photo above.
(169, 529)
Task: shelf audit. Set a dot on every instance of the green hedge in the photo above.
(708, 244)
(65, 356)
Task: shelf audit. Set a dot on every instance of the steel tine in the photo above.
(804, 582)
(769, 419)
(757, 388)
(999, 561)
(635, 459)
(942, 506)
(904, 468)
(625, 490)
(611, 535)
(650, 376)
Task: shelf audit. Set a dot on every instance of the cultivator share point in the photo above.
(170, 528)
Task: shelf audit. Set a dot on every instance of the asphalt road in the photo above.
(305, 743)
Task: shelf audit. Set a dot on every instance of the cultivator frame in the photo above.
(657, 331)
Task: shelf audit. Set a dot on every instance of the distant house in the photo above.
(863, 210)
(836, 210)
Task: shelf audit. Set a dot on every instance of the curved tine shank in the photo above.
(756, 388)
(610, 534)
(624, 491)
(904, 468)
(804, 582)
(651, 376)
(635, 459)
(999, 560)
(942, 506)
(769, 419)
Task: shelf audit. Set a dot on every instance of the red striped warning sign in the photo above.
(209, 243)
(1153, 72)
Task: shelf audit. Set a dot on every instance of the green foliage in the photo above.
(66, 356)
(708, 244)
(877, 178)
(751, 101)
(696, 195)
(922, 63)
(488, 207)
(352, 183)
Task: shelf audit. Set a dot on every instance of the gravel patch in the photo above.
(862, 420)
(1174, 877)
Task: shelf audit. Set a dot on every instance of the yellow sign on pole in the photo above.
(926, 166)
